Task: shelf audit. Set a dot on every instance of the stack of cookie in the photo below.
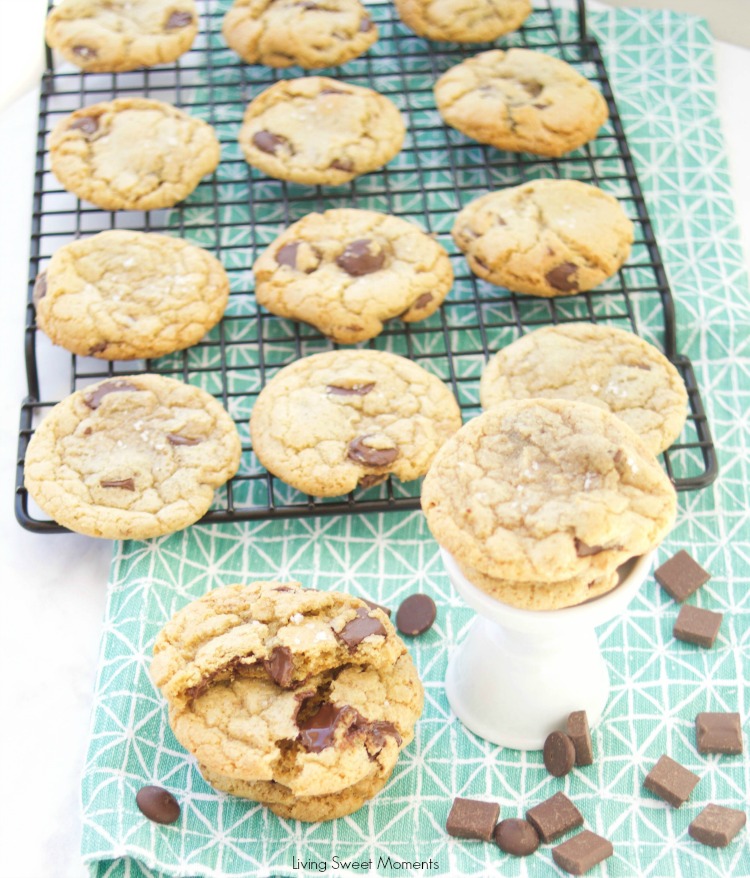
(296, 698)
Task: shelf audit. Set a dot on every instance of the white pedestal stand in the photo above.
(519, 673)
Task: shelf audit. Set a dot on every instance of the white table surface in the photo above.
(54, 586)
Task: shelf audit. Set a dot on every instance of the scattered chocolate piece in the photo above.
(532, 87)
(287, 255)
(125, 484)
(554, 817)
(694, 625)
(375, 606)
(40, 288)
(94, 399)
(582, 852)
(157, 804)
(354, 390)
(316, 732)
(178, 19)
(342, 165)
(176, 439)
(583, 551)
(361, 452)
(370, 480)
(470, 818)
(98, 348)
(423, 301)
(366, 24)
(85, 52)
(358, 258)
(280, 666)
(267, 141)
(578, 731)
(680, 576)
(416, 614)
(671, 781)
(561, 277)
(516, 837)
(87, 124)
(559, 754)
(716, 825)
(718, 733)
(361, 626)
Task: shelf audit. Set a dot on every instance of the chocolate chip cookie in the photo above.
(596, 364)
(547, 490)
(132, 154)
(332, 422)
(131, 457)
(545, 238)
(111, 36)
(478, 22)
(123, 295)
(297, 698)
(522, 101)
(280, 33)
(347, 271)
(320, 131)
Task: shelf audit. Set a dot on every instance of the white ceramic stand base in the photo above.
(518, 673)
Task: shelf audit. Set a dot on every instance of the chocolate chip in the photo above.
(317, 731)
(559, 754)
(333, 91)
(694, 625)
(577, 729)
(583, 551)
(582, 852)
(87, 124)
(40, 288)
(718, 733)
(516, 837)
(680, 576)
(561, 277)
(370, 480)
(470, 818)
(375, 606)
(176, 439)
(85, 52)
(360, 452)
(716, 825)
(353, 390)
(178, 19)
(366, 25)
(532, 87)
(671, 781)
(157, 804)
(98, 348)
(280, 666)
(423, 301)
(342, 165)
(267, 141)
(416, 614)
(125, 484)
(554, 817)
(94, 399)
(287, 255)
(361, 626)
(359, 258)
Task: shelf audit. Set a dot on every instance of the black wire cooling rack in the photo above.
(238, 211)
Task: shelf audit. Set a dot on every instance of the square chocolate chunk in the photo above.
(582, 852)
(554, 817)
(680, 576)
(578, 732)
(470, 818)
(717, 826)
(694, 625)
(718, 733)
(671, 781)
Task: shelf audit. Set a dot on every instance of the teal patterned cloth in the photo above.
(661, 67)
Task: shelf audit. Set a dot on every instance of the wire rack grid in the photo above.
(238, 211)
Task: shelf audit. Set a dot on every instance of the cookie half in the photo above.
(347, 271)
(111, 36)
(545, 238)
(131, 457)
(320, 131)
(545, 490)
(329, 423)
(595, 364)
(521, 100)
(132, 154)
(280, 33)
(477, 22)
(123, 295)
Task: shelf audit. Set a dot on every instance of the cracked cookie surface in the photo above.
(346, 271)
(596, 364)
(311, 34)
(301, 694)
(546, 490)
(320, 131)
(111, 36)
(334, 421)
(131, 457)
(132, 154)
(122, 295)
(458, 21)
(545, 238)
(522, 101)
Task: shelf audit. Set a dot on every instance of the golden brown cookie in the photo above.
(480, 21)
